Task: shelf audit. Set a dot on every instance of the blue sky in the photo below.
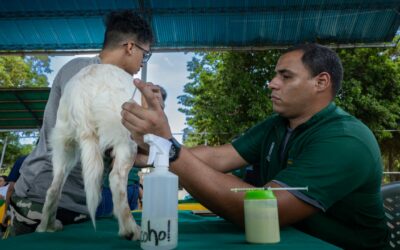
(166, 69)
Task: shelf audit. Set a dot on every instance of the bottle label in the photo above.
(159, 232)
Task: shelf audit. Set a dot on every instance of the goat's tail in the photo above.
(92, 170)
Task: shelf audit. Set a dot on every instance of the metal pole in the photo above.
(391, 172)
(3, 151)
(144, 72)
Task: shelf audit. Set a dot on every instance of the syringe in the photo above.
(236, 190)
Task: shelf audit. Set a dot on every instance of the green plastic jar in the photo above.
(261, 217)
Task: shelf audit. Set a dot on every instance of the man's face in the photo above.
(293, 88)
(136, 58)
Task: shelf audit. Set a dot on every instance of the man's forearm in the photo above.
(201, 153)
(213, 190)
(222, 158)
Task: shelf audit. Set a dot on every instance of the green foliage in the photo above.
(14, 149)
(227, 95)
(371, 92)
(391, 156)
(19, 72)
(371, 88)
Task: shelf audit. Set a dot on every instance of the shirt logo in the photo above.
(270, 151)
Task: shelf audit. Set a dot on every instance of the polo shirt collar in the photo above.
(320, 115)
(315, 118)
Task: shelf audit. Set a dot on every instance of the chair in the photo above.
(391, 204)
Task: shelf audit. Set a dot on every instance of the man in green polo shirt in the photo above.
(309, 141)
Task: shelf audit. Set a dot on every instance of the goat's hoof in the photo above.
(41, 228)
(133, 235)
(57, 226)
(129, 236)
(136, 233)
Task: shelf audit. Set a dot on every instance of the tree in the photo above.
(19, 72)
(14, 149)
(228, 94)
(391, 155)
(371, 92)
(371, 88)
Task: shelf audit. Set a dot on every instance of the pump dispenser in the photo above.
(160, 199)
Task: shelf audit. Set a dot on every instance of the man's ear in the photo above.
(129, 48)
(323, 82)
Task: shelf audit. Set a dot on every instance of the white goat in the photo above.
(88, 123)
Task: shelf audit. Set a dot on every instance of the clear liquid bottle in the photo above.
(159, 227)
(261, 217)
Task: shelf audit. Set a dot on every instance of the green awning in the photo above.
(60, 26)
(22, 108)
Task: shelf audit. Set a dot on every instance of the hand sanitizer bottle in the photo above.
(159, 227)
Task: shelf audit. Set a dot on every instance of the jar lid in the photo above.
(259, 195)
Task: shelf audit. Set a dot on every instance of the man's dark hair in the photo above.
(163, 92)
(125, 25)
(318, 59)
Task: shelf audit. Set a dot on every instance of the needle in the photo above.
(267, 188)
(134, 92)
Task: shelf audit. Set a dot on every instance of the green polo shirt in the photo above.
(338, 158)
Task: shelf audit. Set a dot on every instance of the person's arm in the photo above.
(212, 189)
(222, 158)
(218, 158)
(209, 186)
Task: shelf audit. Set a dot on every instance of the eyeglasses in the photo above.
(146, 53)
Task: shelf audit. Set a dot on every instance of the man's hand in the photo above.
(141, 160)
(145, 120)
(157, 92)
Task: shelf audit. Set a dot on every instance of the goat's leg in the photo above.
(92, 170)
(123, 163)
(64, 160)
